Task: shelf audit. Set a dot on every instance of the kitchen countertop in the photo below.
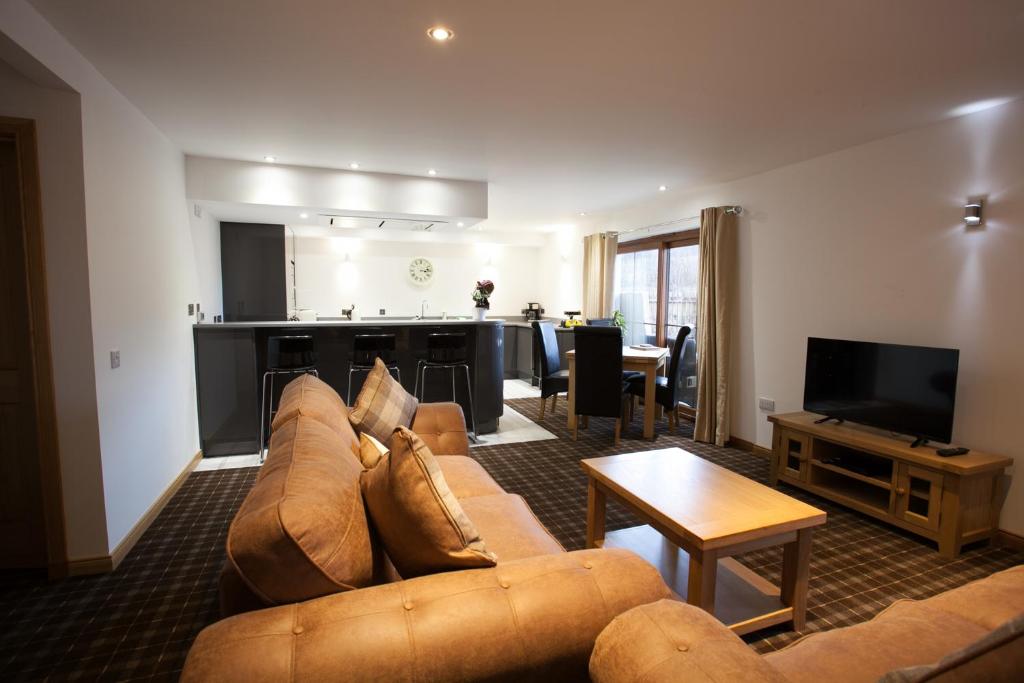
(368, 322)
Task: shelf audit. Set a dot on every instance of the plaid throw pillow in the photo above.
(382, 405)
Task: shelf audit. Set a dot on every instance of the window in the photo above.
(656, 283)
(636, 294)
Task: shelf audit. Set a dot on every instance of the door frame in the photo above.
(23, 133)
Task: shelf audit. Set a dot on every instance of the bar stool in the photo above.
(366, 348)
(287, 355)
(446, 350)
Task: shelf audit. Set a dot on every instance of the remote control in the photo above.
(947, 452)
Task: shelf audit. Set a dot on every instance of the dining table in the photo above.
(649, 361)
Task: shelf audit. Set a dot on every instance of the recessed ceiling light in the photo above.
(303, 215)
(431, 172)
(460, 224)
(354, 166)
(269, 159)
(441, 34)
(662, 188)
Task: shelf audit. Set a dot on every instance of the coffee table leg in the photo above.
(796, 570)
(700, 588)
(595, 515)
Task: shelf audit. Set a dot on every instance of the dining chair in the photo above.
(553, 379)
(666, 388)
(599, 389)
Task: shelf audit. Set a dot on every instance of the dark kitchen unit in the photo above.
(252, 263)
(521, 353)
(231, 359)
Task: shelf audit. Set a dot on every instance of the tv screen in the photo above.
(906, 389)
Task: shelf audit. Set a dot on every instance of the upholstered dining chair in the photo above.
(553, 379)
(666, 388)
(599, 390)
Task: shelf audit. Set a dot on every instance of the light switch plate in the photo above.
(191, 309)
(115, 359)
(766, 403)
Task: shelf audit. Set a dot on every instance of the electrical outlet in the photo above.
(766, 403)
(191, 309)
(115, 359)
(691, 382)
(382, 312)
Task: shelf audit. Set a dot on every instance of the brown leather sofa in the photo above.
(314, 597)
(971, 633)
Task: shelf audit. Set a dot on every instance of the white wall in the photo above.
(141, 277)
(58, 118)
(205, 230)
(561, 271)
(337, 271)
(869, 243)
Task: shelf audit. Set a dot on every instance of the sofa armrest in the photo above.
(442, 427)
(522, 620)
(673, 641)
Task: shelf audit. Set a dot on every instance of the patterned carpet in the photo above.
(137, 623)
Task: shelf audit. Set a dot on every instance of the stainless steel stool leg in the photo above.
(469, 396)
(263, 412)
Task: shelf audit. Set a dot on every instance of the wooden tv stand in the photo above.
(952, 501)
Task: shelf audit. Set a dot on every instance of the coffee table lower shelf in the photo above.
(744, 601)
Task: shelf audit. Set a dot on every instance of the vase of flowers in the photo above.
(482, 298)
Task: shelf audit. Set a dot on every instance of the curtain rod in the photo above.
(737, 210)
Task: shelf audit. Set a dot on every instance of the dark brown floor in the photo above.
(138, 622)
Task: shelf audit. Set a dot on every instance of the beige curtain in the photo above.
(599, 274)
(714, 322)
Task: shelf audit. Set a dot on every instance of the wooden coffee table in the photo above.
(698, 516)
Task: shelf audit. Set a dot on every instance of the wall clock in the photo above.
(421, 271)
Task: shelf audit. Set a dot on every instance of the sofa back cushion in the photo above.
(420, 522)
(997, 658)
(311, 397)
(302, 530)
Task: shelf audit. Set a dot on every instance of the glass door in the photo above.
(636, 294)
(682, 272)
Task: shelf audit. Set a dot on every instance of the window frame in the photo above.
(661, 244)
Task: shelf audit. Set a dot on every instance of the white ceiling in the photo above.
(563, 106)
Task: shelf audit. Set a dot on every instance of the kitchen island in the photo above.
(231, 359)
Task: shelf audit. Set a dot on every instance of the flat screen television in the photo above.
(906, 389)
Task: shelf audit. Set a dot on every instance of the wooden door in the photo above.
(792, 453)
(919, 496)
(22, 529)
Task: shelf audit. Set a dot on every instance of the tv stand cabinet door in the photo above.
(792, 455)
(919, 496)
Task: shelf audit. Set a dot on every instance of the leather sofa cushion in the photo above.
(988, 602)
(907, 633)
(442, 426)
(465, 476)
(302, 530)
(382, 404)
(311, 397)
(530, 620)
(419, 520)
(669, 641)
(509, 527)
(996, 658)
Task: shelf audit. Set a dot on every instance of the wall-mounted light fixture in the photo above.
(973, 216)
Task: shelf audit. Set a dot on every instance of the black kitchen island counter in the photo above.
(231, 359)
